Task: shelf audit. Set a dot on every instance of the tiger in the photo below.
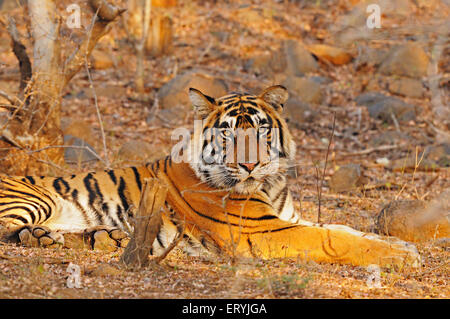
(217, 202)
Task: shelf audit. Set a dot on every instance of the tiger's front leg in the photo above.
(103, 238)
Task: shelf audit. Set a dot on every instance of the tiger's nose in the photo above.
(248, 166)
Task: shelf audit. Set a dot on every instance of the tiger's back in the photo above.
(74, 202)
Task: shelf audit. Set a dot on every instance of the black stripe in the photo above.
(165, 164)
(279, 193)
(270, 230)
(39, 208)
(280, 129)
(32, 187)
(158, 238)
(251, 110)
(30, 179)
(283, 201)
(121, 193)
(14, 216)
(75, 201)
(94, 194)
(47, 212)
(252, 199)
(112, 175)
(137, 177)
(120, 215)
(57, 185)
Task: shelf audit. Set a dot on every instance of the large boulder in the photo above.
(299, 60)
(306, 89)
(175, 92)
(416, 221)
(408, 60)
(347, 178)
(386, 108)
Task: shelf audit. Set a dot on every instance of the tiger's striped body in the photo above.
(236, 208)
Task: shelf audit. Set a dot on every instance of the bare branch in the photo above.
(106, 11)
(105, 14)
(325, 168)
(21, 54)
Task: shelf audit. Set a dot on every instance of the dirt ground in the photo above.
(42, 273)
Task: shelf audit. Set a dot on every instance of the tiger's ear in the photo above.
(203, 104)
(276, 96)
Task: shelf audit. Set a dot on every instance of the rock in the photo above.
(321, 79)
(299, 60)
(406, 87)
(408, 60)
(6, 5)
(101, 60)
(346, 178)
(78, 155)
(411, 163)
(335, 55)
(439, 154)
(267, 63)
(428, 4)
(250, 16)
(347, 36)
(442, 242)
(383, 107)
(369, 98)
(105, 270)
(175, 92)
(297, 112)
(110, 91)
(78, 128)
(306, 90)
(414, 220)
(369, 56)
(174, 116)
(389, 138)
(139, 152)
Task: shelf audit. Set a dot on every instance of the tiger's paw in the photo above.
(39, 236)
(103, 238)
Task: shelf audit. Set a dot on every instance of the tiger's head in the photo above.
(244, 143)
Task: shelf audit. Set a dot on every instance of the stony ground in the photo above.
(387, 88)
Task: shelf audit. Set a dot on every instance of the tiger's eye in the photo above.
(263, 130)
(227, 133)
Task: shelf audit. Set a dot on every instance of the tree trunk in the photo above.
(31, 139)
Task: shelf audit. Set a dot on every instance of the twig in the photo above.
(325, 168)
(371, 150)
(140, 47)
(12, 100)
(21, 53)
(99, 117)
(91, 85)
(105, 14)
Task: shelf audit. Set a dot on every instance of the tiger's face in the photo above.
(244, 143)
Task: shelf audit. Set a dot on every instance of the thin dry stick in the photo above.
(21, 54)
(91, 85)
(325, 168)
(140, 47)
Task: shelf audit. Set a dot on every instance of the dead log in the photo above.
(148, 222)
